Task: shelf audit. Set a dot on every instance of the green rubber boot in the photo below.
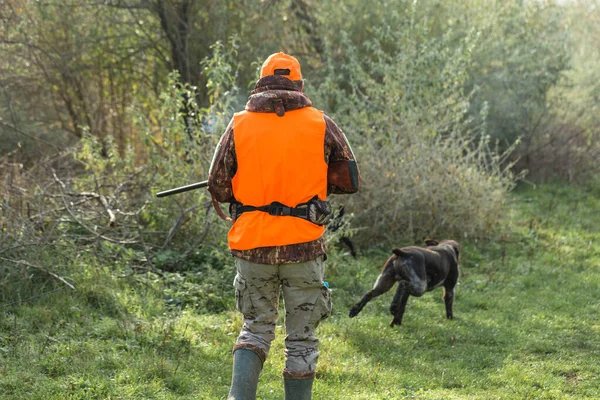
(298, 389)
(244, 380)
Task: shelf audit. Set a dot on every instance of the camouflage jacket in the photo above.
(224, 165)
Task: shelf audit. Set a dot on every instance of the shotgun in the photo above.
(181, 189)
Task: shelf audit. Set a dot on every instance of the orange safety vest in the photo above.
(278, 159)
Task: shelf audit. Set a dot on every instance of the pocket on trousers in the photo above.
(322, 309)
(241, 294)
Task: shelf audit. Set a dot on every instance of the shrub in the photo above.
(566, 144)
(95, 199)
(427, 169)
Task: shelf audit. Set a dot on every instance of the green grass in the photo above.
(526, 326)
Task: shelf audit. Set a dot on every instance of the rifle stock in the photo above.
(344, 175)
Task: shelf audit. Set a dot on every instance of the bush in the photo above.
(521, 55)
(428, 170)
(96, 199)
(566, 145)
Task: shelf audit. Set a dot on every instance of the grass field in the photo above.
(526, 326)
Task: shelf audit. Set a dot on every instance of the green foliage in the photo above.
(568, 145)
(521, 55)
(201, 281)
(178, 140)
(401, 99)
(531, 68)
(103, 204)
(71, 67)
(190, 248)
(68, 66)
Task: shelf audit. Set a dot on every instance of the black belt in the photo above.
(276, 209)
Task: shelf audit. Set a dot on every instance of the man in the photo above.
(275, 164)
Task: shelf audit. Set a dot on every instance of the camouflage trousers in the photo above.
(307, 302)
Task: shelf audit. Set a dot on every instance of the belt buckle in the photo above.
(278, 210)
(302, 211)
(274, 210)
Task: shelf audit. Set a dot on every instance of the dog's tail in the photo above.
(400, 252)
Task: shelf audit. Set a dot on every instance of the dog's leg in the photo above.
(449, 286)
(384, 283)
(399, 303)
(449, 299)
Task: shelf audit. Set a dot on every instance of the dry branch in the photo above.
(29, 265)
(99, 197)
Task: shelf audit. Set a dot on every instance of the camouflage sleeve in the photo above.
(337, 149)
(223, 168)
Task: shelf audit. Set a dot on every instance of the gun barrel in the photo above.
(181, 189)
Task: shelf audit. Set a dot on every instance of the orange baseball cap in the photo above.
(281, 64)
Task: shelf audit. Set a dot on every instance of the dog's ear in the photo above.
(399, 252)
(455, 246)
(431, 242)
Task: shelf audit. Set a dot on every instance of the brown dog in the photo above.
(417, 270)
